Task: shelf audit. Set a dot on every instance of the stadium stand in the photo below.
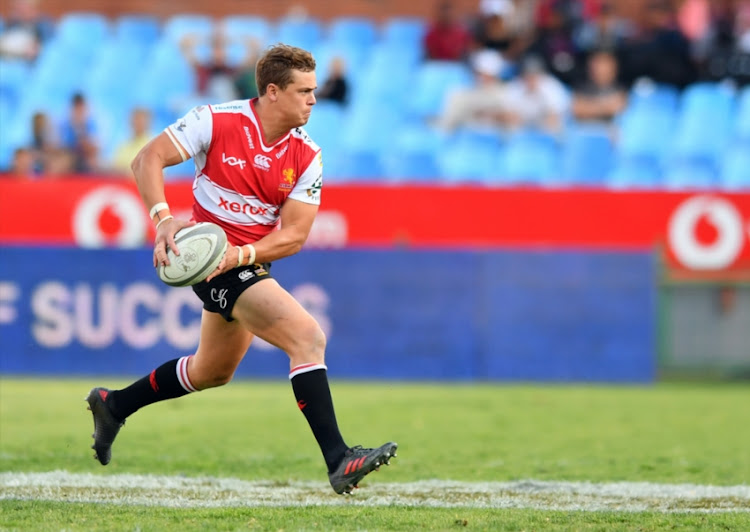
(695, 137)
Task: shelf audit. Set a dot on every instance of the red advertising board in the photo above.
(701, 231)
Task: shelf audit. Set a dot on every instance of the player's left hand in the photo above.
(228, 262)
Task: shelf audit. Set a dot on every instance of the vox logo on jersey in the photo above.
(233, 161)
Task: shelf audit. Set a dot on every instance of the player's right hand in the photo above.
(165, 237)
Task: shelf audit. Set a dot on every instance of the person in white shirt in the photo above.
(536, 99)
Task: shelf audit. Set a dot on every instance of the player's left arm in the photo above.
(297, 215)
(296, 221)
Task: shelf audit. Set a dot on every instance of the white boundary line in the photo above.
(212, 492)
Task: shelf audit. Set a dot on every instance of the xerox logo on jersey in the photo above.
(244, 208)
(288, 182)
(262, 161)
(233, 161)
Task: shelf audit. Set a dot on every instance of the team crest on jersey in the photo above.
(288, 182)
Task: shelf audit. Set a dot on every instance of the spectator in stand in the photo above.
(215, 75)
(482, 105)
(25, 31)
(244, 79)
(78, 135)
(493, 29)
(605, 30)
(43, 144)
(722, 50)
(140, 125)
(554, 42)
(23, 164)
(601, 98)
(446, 39)
(659, 50)
(536, 100)
(335, 88)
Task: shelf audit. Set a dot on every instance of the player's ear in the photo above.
(272, 91)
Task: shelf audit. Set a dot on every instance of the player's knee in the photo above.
(310, 345)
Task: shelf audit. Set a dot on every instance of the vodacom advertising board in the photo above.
(701, 232)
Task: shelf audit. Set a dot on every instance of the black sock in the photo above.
(310, 385)
(168, 381)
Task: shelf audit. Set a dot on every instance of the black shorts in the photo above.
(221, 293)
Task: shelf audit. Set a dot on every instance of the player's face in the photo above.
(298, 98)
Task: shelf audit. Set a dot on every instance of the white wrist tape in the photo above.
(251, 260)
(156, 208)
(164, 220)
(240, 255)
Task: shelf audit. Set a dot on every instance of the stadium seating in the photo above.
(694, 138)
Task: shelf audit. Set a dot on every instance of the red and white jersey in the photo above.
(240, 182)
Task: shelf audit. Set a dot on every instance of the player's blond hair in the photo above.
(276, 65)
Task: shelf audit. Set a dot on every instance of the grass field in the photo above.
(482, 457)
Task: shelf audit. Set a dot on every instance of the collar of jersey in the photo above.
(256, 122)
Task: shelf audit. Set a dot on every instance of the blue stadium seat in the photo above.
(735, 169)
(470, 163)
(14, 76)
(646, 133)
(531, 157)
(690, 174)
(587, 155)
(243, 27)
(325, 125)
(634, 172)
(433, 81)
(704, 123)
(352, 32)
(404, 32)
(742, 123)
(80, 30)
(305, 33)
(166, 82)
(178, 26)
(137, 29)
(412, 155)
(648, 95)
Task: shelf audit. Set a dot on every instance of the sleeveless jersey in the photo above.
(240, 182)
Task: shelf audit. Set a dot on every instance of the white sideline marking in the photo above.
(212, 492)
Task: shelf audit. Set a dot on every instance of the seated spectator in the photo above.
(23, 164)
(536, 99)
(215, 76)
(78, 135)
(25, 31)
(601, 98)
(481, 105)
(335, 87)
(554, 42)
(605, 30)
(659, 50)
(244, 78)
(446, 39)
(140, 126)
(43, 143)
(493, 29)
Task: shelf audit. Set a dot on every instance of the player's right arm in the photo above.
(177, 143)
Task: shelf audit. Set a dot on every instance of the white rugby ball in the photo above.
(202, 247)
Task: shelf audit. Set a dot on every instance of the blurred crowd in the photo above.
(538, 61)
(536, 64)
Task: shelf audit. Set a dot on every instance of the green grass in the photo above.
(668, 433)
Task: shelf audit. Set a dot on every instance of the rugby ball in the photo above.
(202, 247)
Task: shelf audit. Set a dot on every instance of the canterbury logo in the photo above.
(301, 404)
(354, 465)
(261, 161)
